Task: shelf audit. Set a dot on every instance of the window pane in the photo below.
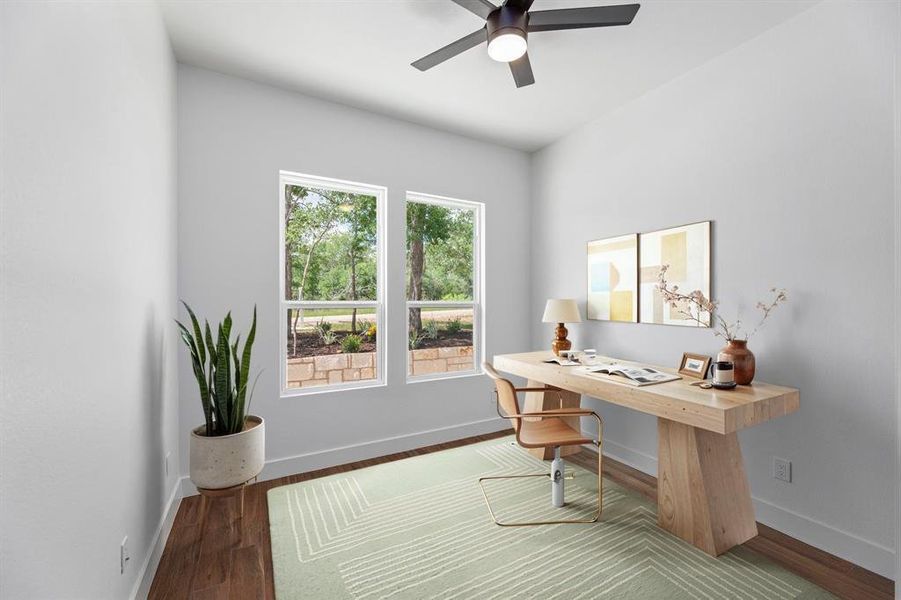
(323, 348)
(440, 341)
(439, 252)
(330, 245)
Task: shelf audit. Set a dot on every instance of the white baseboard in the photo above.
(321, 459)
(862, 552)
(155, 551)
(635, 459)
(865, 553)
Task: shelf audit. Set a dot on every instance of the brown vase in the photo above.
(561, 343)
(736, 351)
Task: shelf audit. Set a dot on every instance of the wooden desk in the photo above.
(703, 495)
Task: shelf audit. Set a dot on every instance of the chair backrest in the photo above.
(506, 394)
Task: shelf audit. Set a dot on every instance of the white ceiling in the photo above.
(358, 52)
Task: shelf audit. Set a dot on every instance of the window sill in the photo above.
(443, 376)
(327, 389)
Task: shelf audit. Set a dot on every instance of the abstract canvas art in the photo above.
(686, 252)
(613, 279)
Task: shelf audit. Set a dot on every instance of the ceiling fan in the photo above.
(507, 28)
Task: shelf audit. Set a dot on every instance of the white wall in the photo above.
(234, 136)
(898, 301)
(786, 143)
(88, 287)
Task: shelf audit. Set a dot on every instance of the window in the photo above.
(332, 298)
(444, 305)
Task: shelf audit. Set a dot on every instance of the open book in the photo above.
(634, 375)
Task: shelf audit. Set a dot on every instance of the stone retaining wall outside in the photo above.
(429, 361)
(340, 368)
(330, 368)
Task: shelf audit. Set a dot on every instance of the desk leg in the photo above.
(703, 495)
(536, 401)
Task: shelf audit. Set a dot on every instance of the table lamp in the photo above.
(560, 311)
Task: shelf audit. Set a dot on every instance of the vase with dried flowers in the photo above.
(698, 308)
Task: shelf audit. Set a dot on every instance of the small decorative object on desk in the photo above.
(723, 375)
(694, 365)
(736, 352)
(700, 308)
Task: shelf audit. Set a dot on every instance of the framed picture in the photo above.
(613, 279)
(694, 365)
(685, 251)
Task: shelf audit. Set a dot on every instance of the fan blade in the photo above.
(483, 8)
(523, 5)
(522, 71)
(451, 50)
(577, 18)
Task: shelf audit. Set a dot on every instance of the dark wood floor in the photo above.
(231, 557)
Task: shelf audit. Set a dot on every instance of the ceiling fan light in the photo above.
(507, 47)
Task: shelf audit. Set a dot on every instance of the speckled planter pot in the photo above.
(228, 460)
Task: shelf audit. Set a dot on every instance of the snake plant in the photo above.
(223, 379)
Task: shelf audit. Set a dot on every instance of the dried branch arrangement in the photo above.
(698, 308)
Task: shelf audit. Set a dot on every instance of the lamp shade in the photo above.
(561, 310)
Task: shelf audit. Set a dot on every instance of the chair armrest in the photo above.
(537, 389)
(558, 412)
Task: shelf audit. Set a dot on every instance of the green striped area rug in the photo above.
(418, 528)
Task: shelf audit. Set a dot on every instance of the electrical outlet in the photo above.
(166, 463)
(124, 557)
(782, 469)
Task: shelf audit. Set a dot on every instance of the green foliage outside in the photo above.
(454, 326)
(416, 339)
(351, 343)
(330, 245)
(446, 235)
(330, 252)
(439, 255)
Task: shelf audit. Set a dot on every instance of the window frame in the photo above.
(381, 200)
(477, 304)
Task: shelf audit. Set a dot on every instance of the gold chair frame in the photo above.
(549, 415)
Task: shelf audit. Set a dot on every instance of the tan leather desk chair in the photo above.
(543, 429)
